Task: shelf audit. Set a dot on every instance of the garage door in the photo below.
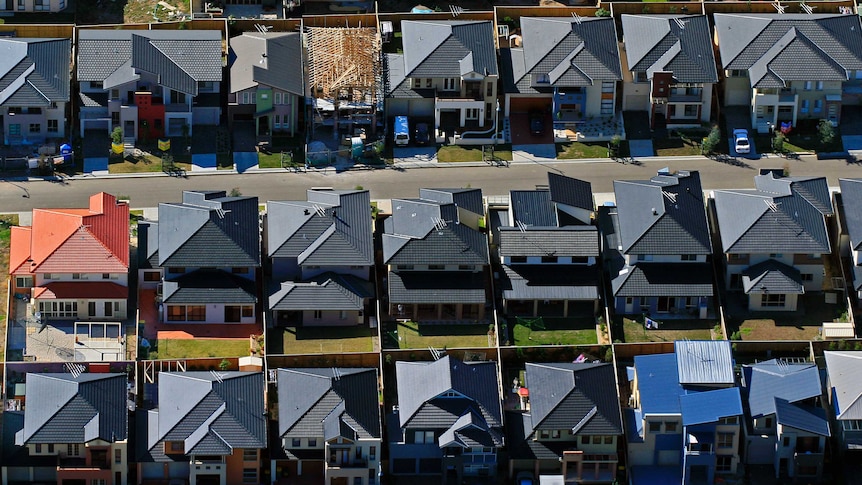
(524, 105)
(637, 102)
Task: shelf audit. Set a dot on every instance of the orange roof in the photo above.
(101, 243)
(65, 290)
(19, 249)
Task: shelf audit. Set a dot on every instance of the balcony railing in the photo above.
(350, 464)
(699, 449)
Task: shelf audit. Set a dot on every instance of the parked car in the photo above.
(422, 135)
(740, 141)
(537, 123)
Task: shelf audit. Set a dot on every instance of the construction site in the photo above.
(345, 80)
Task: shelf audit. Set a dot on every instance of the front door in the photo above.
(665, 303)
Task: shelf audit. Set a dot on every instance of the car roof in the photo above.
(740, 131)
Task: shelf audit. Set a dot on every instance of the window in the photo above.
(728, 420)
(608, 86)
(277, 98)
(42, 5)
(196, 313)
(818, 105)
(723, 463)
(239, 270)
(607, 107)
(428, 82)
(97, 481)
(690, 111)
(450, 84)
(807, 85)
(59, 309)
(644, 257)
(24, 281)
(174, 447)
(436, 267)
(655, 426)
(372, 453)
(490, 90)
(471, 113)
(549, 259)
(91, 308)
(609, 440)
(277, 123)
(296, 442)
(851, 425)
(806, 277)
(50, 447)
(318, 314)
(772, 300)
(53, 126)
(176, 313)
(312, 442)
(585, 440)
(670, 426)
(819, 86)
(72, 449)
(249, 455)
(151, 276)
(465, 267)
(517, 259)
(785, 442)
(357, 480)
(689, 257)
(21, 5)
(358, 453)
(372, 476)
(555, 434)
(630, 300)
(249, 475)
(726, 440)
(776, 255)
(544, 434)
(118, 456)
(38, 447)
(342, 315)
(177, 269)
(405, 266)
(542, 79)
(803, 108)
(15, 129)
(640, 77)
(597, 440)
(246, 96)
(247, 311)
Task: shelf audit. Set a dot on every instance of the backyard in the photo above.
(328, 340)
(413, 335)
(667, 331)
(554, 331)
(199, 347)
(804, 324)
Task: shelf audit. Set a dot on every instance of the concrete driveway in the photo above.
(420, 155)
(736, 117)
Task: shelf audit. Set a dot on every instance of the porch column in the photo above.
(299, 467)
(565, 308)
(481, 310)
(415, 311)
(535, 308)
(272, 471)
(436, 118)
(595, 306)
(536, 468)
(439, 311)
(459, 311)
(482, 116)
(463, 113)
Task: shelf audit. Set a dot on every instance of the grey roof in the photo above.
(436, 287)
(34, 72)
(766, 381)
(62, 408)
(470, 199)
(421, 386)
(664, 279)
(582, 241)
(773, 277)
(273, 59)
(806, 418)
(327, 291)
(219, 411)
(704, 362)
(851, 198)
(579, 397)
(782, 215)
(778, 48)
(846, 392)
(571, 191)
(209, 286)
(533, 208)
(209, 229)
(427, 231)
(663, 215)
(333, 228)
(658, 43)
(571, 52)
(448, 48)
(549, 282)
(180, 58)
(312, 400)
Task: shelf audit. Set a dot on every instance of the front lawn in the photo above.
(669, 330)
(684, 142)
(142, 164)
(328, 340)
(200, 347)
(412, 335)
(576, 149)
(462, 153)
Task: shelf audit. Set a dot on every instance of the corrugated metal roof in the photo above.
(851, 198)
(571, 191)
(774, 378)
(846, 393)
(806, 418)
(533, 208)
(710, 406)
(704, 362)
(658, 383)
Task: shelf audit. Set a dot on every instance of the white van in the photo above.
(402, 131)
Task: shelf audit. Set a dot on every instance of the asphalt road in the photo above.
(18, 196)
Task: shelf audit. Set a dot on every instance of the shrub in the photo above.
(826, 132)
(711, 141)
(603, 12)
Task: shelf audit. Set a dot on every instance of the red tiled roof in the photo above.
(98, 237)
(65, 290)
(19, 249)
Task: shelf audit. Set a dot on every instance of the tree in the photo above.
(711, 141)
(602, 12)
(778, 142)
(117, 135)
(826, 132)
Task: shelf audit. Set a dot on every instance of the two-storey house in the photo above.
(43, 6)
(333, 421)
(150, 83)
(571, 425)
(670, 68)
(657, 247)
(35, 80)
(565, 68)
(683, 425)
(549, 252)
(448, 421)
(789, 67)
(844, 390)
(209, 427)
(786, 425)
(73, 264)
(774, 238)
(851, 223)
(74, 430)
(437, 256)
(206, 250)
(322, 254)
(448, 72)
(266, 82)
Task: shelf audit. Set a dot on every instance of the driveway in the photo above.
(638, 133)
(420, 155)
(851, 127)
(736, 117)
(519, 126)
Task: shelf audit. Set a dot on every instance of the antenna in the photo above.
(577, 17)
(807, 8)
(679, 23)
(455, 10)
(221, 212)
(434, 353)
(773, 206)
(320, 210)
(263, 29)
(439, 224)
(521, 226)
(75, 369)
(219, 377)
(336, 374)
(778, 7)
(670, 196)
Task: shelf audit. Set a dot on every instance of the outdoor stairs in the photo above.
(129, 142)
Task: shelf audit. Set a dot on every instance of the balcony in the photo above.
(684, 98)
(360, 463)
(699, 449)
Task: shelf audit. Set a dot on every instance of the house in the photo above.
(322, 253)
(657, 247)
(437, 256)
(786, 424)
(774, 238)
(266, 82)
(683, 425)
(72, 268)
(790, 67)
(851, 221)
(333, 425)
(448, 420)
(572, 425)
(34, 6)
(549, 251)
(206, 252)
(215, 434)
(565, 67)
(448, 72)
(151, 84)
(35, 77)
(74, 429)
(671, 68)
(844, 390)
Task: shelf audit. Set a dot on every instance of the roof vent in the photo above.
(654, 212)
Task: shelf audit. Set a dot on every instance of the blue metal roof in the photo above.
(710, 406)
(772, 379)
(658, 384)
(805, 418)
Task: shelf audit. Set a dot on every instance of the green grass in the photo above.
(143, 164)
(272, 160)
(328, 340)
(576, 149)
(412, 335)
(561, 331)
(668, 331)
(460, 153)
(201, 347)
(224, 161)
(6, 223)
